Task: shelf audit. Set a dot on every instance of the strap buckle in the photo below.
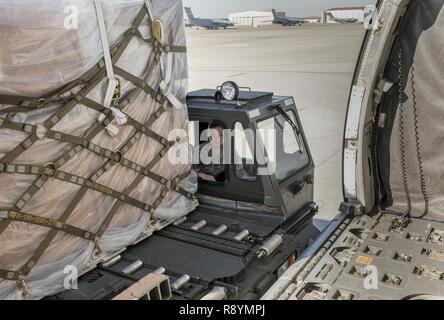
(116, 95)
(21, 284)
(49, 170)
(40, 102)
(117, 157)
(153, 216)
(167, 48)
(97, 248)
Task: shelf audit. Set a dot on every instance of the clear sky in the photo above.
(294, 8)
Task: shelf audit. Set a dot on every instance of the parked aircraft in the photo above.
(285, 21)
(205, 23)
(339, 20)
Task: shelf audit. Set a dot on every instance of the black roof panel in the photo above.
(244, 96)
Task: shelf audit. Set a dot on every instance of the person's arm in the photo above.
(206, 177)
(200, 173)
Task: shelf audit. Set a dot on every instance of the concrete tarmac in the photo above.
(312, 63)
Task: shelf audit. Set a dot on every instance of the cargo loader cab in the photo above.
(267, 159)
(252, 221)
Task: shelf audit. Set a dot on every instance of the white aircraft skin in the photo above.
(338, 20)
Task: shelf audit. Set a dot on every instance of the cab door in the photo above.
(293, 176)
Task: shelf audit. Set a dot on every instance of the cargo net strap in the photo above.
(112, 158)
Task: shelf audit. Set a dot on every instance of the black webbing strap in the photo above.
(167, 48)
(19, 149)
(128, 35)
(14, 100)
(116, 157)
(48, 223)
(137, 81)
(184, 192)
(51, 122)
(52, 173)
(182, 177)
(116, 53)
(64, 217)
(175, 49)
(28, 128)
(94, 81)
(77, 198)
(25, 197)
(32, 103)
(156, 43)
(26, 268)
(70, 153)
(138, 34)
(175, 185)
(147, 131)
(14, 109)
(53, 224)
(133, 185)
(27, 104)
(9, 275)
(105, 224)
(131, 121)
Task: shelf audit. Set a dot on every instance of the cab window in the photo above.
(243, 156)
(287, 152)
(208, 151)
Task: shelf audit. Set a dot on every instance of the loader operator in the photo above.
(215, 171)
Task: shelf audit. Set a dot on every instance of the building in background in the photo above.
(311, 19)
(254, 18)
(343, 15)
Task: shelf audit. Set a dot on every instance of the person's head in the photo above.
(217, 131)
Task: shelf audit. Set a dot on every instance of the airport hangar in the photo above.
(254, 18)
(344, 13)
(311, 19)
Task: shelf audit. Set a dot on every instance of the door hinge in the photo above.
(352, 209)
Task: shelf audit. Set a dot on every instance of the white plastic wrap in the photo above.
(39, 55)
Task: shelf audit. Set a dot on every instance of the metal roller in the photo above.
(217, 293)
(133, 267)
(112, 261)
(270, 246)
(242, 235)
(219, 231)
(180, 282)
(199, 226)
(160, 270)
(180, 221)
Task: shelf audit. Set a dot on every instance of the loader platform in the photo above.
(209, 260)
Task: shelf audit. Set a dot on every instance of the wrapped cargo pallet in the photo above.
(90, 91)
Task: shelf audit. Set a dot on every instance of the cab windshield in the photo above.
(286, 151)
